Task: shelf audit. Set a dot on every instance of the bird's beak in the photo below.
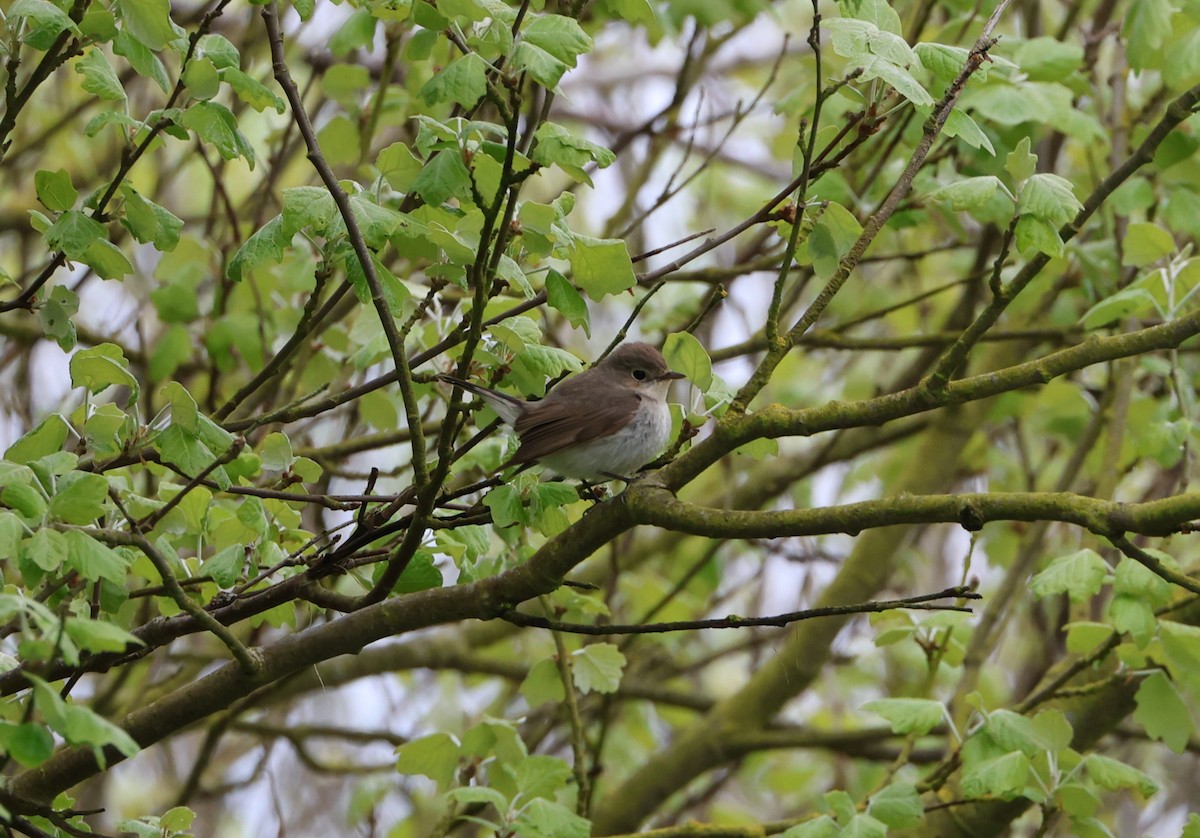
(671, 376)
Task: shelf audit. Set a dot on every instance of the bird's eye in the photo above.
(640, 375)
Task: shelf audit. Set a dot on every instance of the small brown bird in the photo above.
(606, 422)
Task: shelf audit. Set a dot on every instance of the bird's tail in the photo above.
(509, 408)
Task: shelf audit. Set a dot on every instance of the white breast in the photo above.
(622, 453)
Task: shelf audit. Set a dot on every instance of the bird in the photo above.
(605, 422)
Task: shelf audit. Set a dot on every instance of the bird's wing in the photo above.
(570, 418)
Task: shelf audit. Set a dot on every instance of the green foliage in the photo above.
(230, 295)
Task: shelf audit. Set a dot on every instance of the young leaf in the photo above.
(54, 189)
(597, 668)
(602, 266)
(1163, 712)
(908, 715)
(685, 354)
(1079, 575)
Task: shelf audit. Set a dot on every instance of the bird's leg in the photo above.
(594, 493)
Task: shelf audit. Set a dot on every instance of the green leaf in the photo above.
(24, 499)
(184, 411)
(970, 194)
(1162, 712)
(1051, 731)
(943, 60)
(1048, 197)
(177, 819)
(1135, 579)
(597, 668)
(220, 51)
(1012, 732)
(543, 683)
(201, 79)
(1085, 637)
(376, 223)
(542, 776)
(563, 298)
(265, 247)
(602, 266)
(560, 36)
(310, 207)
(443, 177)
(1133, 301)
(99, 77)
(276, 452)
(685, 354)
(46, 438)
(11, 528)
(141, 59)
(1145, 29)
(898, 78)
(1110, 774)
(358, 32)
(85, 727)
(55, 316)
(637, 12)
(822, 827)
(225, 566)
(99, 636)
(877, 12)
(216, 125)
(898, 806)
(1048, 59)
(547, 819)
(47, 548)
(556, 145)
(149, 21)
(29, 744)
(1132, 615)
(505, 504)
(479, 794)
(1021, 163)
(100, 367)
(148, 222)
(462, 81)
(106, 430)
(544, 361)
(1077, 799)
(48, 18)
(541, 65)
(864, 826)
(340, 140)
(420, 575)
(82, 497)
(73, 233)
(1145, 244)
(1080, 575)
(189, 453)
(1182, 646)
(54, 189)
(94, 561)
(1004, 776)
(495, 739)
(107, 260)
(434, 756)
(832, 236)
(908, 715)
(251, 91)
(959, 124)
(399, 166)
